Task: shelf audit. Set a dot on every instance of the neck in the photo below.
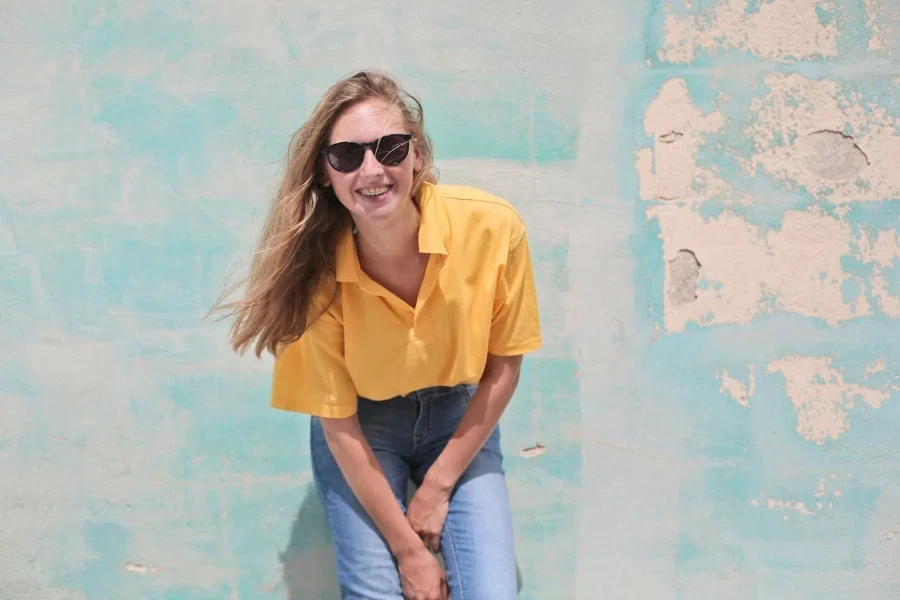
(393, 239)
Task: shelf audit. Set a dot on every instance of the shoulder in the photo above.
(476, 209)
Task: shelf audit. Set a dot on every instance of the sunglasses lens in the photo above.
(392, 149)
(346, 156)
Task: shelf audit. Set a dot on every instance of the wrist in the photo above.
(439, 480)
(406, 544)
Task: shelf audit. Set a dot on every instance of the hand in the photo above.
(421, 576)
(427, 513)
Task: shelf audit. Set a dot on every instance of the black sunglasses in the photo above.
(389, 150)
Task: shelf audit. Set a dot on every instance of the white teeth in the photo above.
(373, 191)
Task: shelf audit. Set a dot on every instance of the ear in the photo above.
(418, 163)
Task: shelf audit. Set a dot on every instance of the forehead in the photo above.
(367, 121)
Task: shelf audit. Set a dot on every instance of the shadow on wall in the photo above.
(310, 571)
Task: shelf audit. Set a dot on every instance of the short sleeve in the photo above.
(310, 374)
(515, 326)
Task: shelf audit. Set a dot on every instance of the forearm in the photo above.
(491, 398)
(363, 473)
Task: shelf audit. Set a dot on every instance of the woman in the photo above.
(398, 311)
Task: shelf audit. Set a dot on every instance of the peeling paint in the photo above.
(821, 397)
(827, 491)
(883, 22)
(790, 146)
(532, 451)
(880, 253)
(874, 23)
(737, 389)
(796, 269)
(669, 170)
(876, 367)
(780, 30)
(142, 569)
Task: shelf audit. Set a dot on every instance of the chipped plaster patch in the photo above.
(797, 269)
(740, 392)
(669, 170)
(801, 134)
(684, 272)
(831, 155)
(821, 397)
(781, 30)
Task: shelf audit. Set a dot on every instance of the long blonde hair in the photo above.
(296, 253)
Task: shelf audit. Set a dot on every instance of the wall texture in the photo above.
(713, 194)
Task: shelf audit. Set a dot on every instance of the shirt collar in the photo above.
(434, 234)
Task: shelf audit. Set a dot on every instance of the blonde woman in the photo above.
(398, 311)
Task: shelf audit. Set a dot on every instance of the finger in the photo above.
(445, 590)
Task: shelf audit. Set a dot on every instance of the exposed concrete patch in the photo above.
(789, 136)
(821, 397)
(684, 272)
(669, 170)
(831, 155)
(796, 269)
(781, 30)
(740, 392)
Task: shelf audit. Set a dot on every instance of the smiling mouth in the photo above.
(374, 192)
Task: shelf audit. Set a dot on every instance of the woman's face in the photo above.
(373, 191)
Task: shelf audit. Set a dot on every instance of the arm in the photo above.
(499, 381)
(421, 576)
(515, 329)
(431, 503)
(363, 473)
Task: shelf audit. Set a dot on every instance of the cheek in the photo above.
(339, 180)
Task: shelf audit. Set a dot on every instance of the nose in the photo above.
(370, 165)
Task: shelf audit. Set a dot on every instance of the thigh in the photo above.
(365, 565)
(477, 542)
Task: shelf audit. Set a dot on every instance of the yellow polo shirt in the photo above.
(477, 297)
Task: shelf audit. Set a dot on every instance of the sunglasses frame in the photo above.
(407, 138)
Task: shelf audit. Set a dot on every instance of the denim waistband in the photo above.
(431, 392)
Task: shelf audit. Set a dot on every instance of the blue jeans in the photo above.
(407, 433)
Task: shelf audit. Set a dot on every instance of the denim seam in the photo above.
(459, 577)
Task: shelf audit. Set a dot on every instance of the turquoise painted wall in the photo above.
(718, 399)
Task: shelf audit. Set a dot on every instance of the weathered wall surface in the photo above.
(714, 202)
